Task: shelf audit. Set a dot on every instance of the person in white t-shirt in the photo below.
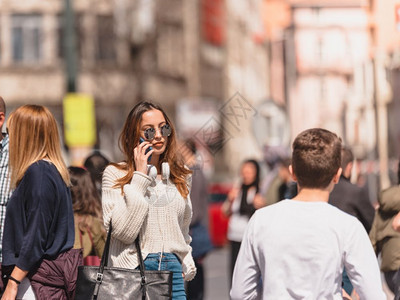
(297, 249)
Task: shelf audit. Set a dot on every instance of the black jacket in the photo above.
(353, 200)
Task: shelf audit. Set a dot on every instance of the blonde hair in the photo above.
(33, 136)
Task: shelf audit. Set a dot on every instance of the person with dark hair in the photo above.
(5, 191)
(95, 163)
(385, 235)
(288, 188)
(147, 195)
(351, 199)
(298, 248)
(90, 234)
(241, 203)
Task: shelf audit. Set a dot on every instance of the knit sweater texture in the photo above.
(152, 208)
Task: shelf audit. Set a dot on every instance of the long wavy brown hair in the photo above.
(129, 139)
(85, 198)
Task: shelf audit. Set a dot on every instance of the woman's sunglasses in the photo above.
(150, 132)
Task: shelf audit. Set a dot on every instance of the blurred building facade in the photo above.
(337, 73)
(270, 68)
(129, 51)
(32, 68)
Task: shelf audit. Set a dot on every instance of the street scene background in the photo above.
(240, 77)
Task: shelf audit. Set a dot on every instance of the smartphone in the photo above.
(148, 149)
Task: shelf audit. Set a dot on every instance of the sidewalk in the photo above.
(216, 274)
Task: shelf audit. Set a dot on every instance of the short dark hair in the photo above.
(256, 165)
(347, 157)
(95, 164)
(316, 157)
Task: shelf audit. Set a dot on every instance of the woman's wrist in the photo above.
(17, 282)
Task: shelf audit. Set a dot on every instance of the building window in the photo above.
(105, 49)
(169, 43)
(27, 44)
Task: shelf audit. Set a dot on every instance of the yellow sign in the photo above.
(79, 120)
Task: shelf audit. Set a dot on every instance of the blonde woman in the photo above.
(39, 227)
(152, 202)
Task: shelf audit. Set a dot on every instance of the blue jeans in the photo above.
(169, 262)
(347, 286)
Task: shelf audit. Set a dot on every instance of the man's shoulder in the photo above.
(345, 192)
(348, 186)
(280, 208)
(285, 206)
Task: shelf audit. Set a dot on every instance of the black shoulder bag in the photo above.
(104, 283)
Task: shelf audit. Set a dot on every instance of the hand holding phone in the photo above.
(141, 140)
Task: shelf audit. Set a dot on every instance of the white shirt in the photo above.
(299, 249)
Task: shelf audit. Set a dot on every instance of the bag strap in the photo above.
(104, 257)
(141, 267)
(104, 263)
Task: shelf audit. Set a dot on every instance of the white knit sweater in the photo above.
(151, 208)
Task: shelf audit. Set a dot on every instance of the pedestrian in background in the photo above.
(298, 248)
(241, 203)
(38, 259)
(385, 236)
(351, 199)
(5, 191)
(288, 188)
(90, 234)
(151, 202)
(95, 163)
(201, 242)
(272, 180)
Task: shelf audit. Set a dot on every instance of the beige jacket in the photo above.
(98, 236)
(384, 238)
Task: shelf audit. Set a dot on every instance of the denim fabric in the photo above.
(346, 284)
(169, 262)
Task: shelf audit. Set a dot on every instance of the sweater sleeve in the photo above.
(127, 210)
(39, 210)
(188, 266)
